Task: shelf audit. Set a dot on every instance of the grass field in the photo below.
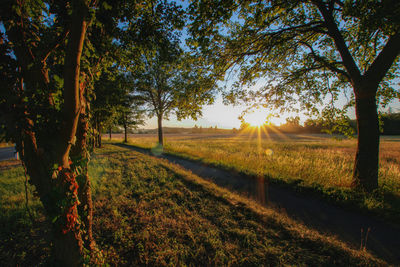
(6, 145)
(150, 212)
(316, 164)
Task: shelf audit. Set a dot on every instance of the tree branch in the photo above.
(382, 63)
(55, 44)
(330, 65)
(348, 60)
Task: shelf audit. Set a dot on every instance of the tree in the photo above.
(172, 85)
(50, 59)
(130, 116)
(129, 111)
(108, 96)
(309, 51)
(30, 44)
(169, 80)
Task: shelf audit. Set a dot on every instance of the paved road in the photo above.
(383, 238)
(7, 153)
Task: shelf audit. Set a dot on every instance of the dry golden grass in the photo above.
(315, 162)
(313, 159)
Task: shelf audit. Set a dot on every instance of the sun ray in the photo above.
(279, 133)
(259, 147)
(265, 130)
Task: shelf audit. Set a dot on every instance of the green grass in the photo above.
(22, 241)
(150, 212)
(314, 164)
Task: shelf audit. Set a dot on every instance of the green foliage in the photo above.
(114, 103)
(165, 77)
(177, 84)
(391, 123)
(291, 49)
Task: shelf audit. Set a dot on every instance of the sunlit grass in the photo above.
(21, 239)
(309, 161)
(150, 212)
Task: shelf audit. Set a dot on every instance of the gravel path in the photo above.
(7, 153)
(383, 238)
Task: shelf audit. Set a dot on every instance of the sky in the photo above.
(213, 115)
(226, 117)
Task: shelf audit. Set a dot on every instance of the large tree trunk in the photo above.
(80, 157)
(125, 132)
(98, 134)
(365, 87)
(160, 130)
(56, 187)
(366, 165)
(68, 243)
(99, 137)
(67, 238)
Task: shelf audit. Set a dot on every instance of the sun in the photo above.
(261, 117)
(256, 119)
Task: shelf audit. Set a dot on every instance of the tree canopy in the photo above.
(167, 78)
(309, 53)
(289, 45)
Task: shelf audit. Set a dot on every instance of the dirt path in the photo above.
(7, 153)
(383, 239)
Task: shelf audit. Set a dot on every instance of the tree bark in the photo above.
(71, 79)
(80, 156)
(110, 132)
(365, 175)
(99, 136)
(68, 243)
(160, 130)
(125, 132)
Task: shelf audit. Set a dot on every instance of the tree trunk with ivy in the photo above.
(80, 157)
(56, 164)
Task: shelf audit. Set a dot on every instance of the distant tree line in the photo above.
(389, 125)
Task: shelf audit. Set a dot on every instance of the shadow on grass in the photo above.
(305, 204)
